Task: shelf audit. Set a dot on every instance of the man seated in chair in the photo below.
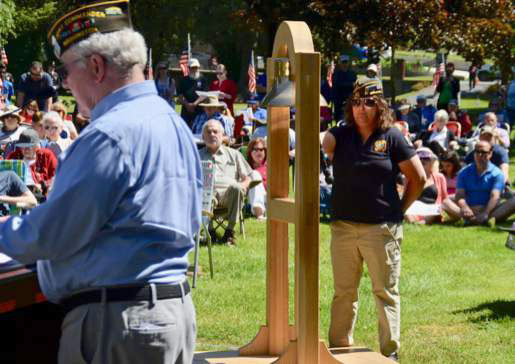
(231, 173)
(14, 192)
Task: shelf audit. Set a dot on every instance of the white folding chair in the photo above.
(207, 213)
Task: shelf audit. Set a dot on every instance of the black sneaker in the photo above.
(229, 237)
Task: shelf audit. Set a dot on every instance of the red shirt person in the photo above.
(41, 161)
(228, 88)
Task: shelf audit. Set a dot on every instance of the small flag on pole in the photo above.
(150, 72)
(183, 63)
(330, 71)
(252, 75)
(438, 74)
(3, 56)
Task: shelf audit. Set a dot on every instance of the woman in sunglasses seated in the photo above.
(256, 156)
(53, 126)
(11, 129)
(367, 154)
(434, 199)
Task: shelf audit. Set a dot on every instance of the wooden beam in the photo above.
(307, 197)
(282, 209)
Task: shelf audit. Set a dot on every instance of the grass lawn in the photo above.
(457, 288)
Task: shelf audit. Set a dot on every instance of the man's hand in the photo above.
(466, 212)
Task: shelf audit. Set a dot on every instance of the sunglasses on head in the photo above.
(367, 101)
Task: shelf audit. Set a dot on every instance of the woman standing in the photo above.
(367, 212)
(165, 84)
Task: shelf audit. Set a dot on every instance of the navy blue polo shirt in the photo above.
(365, 173)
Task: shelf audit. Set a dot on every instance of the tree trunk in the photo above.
(393, 75)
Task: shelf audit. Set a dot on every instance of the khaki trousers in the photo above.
(232, 199)
(379, 245)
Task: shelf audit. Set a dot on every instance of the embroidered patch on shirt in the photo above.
(380, 146)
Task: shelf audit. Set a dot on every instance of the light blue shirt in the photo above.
(125, 203)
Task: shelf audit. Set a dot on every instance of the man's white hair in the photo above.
(212, 121)
(124, 49)
(53, 115)
(491, 114)
(441, 114)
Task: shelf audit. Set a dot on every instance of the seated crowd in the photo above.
(35, 130)
(466, 166)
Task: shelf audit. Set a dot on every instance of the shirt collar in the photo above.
(124, 93)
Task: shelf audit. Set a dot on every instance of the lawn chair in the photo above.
(207, 213)
(21, 170)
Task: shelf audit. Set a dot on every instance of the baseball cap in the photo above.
(79, 24)
(28, 138)
(194, 63)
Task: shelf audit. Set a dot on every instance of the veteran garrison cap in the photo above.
(97, 17)
(367, 87)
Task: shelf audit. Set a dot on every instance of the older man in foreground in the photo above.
(232, 175)
(128, 197)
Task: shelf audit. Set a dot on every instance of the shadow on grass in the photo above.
(496, 310)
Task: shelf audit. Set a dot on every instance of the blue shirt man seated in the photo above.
(479, 189)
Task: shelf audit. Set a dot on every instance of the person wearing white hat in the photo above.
(187, 92)
(372, 72)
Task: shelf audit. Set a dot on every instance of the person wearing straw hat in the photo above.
(128, 195)
(211, 110)
(11, 128)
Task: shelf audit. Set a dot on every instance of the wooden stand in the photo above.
(278, 342)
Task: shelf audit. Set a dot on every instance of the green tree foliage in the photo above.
(7, 10)
(27, 41)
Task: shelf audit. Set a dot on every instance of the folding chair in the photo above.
(21, 170)
(207, 213)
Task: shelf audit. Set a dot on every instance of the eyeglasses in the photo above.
(62, 70)
(48, 127)
(259, 149)
(367, 101)
(482, 152)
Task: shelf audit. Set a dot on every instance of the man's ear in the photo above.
(98, 67)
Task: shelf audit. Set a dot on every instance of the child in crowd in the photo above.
(451, 165)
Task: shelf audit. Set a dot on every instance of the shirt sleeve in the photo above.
(244, 168)
(503, 154)
(400, 149)
(499, 182)
(461, 183)
(16, 185)
(91, 179)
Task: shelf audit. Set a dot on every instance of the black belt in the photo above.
(130, 293)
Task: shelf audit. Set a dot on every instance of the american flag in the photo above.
(330, 71)
(439, 72)
(150, 74)
(3, 56)
(252, 75)
(183, 63)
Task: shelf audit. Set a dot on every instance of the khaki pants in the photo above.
(232, 199)
(379, 245)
